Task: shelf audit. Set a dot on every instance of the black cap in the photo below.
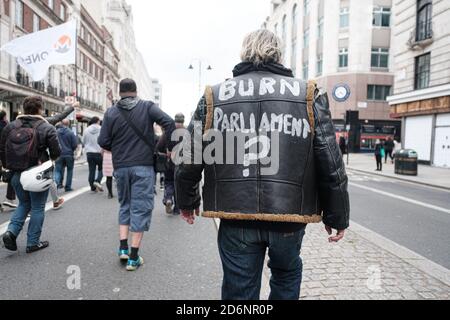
(128, 85)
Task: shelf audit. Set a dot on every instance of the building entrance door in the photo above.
(442, 147)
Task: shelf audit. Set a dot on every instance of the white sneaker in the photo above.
(98, 186)
(10, 204)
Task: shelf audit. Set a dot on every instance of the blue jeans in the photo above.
(60, 165)
(243, 252)
(135, 188)
(95, 162)
(169, 194)
(33, 202)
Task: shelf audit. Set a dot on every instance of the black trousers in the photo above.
(379, 162)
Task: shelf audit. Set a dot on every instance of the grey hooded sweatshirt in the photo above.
(90, 139)
(127, 147)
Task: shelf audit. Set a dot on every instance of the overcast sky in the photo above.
(171, 34)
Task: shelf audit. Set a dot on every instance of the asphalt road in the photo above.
(182, 262)
(416, 226)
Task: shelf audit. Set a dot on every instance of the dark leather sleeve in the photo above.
(3, 138)
(330, 169)
(189, 176)
(51, 140)
(60, 116)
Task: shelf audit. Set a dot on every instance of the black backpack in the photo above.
(22, 146)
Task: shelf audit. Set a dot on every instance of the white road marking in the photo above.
(405, 199)
(49, 206)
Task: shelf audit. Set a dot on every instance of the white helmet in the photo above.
(38, 179)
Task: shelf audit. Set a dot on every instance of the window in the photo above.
(294, 56)
(422, 71)
(343, 58)
(344, 18)
(19, 14)
(378, 93)
(305, 70)
(320, 28)
(424, 20)
(306, 39)
(62, 12)
(319, 66)
(36, 22)
(51, 4)
(380, 58)
(381, 17)
(284, 36)
(294, 22)
(306, 7)
(83, 33)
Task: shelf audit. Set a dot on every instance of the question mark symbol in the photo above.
(249, 157)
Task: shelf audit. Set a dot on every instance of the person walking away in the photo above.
(128, 132)
(68, 143)
(389, 150)
(108, 171)
(169, 200)
(25, 143)
(265, 208)
(94, 154)
(379, 155)
(343, 145)
(10, 200)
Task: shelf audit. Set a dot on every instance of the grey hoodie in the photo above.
(90, 139)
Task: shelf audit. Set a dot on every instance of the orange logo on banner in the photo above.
(63, 45)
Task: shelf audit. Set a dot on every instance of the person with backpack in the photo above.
(128, 132)
(26, 143)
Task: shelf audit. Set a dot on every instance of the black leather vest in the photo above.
(264, 105)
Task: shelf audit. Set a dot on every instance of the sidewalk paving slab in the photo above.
(428, 175)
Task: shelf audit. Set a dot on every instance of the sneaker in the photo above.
(41, 246)
(59, 204)
(169, 209)
(134, 265)
(69, 190)
(124, 255)
(10, 241)
(98, 186)
(10, 204)
(110, 196)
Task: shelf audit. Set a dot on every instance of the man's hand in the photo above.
(339, 236)
(189, 215)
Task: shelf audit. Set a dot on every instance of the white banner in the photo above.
(37, 52)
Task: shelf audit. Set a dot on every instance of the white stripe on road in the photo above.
(49, 206)
(405, 199)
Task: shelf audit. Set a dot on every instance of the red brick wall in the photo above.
(27, 18)
(43, 24)
(6, 3)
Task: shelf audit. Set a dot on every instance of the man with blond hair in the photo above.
(284, 120)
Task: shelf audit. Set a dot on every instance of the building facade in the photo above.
(117, 16)
(92, 80)
(18, 18)
(422, 77)
(346, 46)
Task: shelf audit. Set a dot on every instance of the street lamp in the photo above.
(200, 71)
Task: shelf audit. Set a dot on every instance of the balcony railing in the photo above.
(424, 30)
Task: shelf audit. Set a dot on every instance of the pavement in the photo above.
(428, 175)
(396, 248)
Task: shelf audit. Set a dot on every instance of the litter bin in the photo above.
(407, 163)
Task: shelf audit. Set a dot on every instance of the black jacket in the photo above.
(48, 139)
(311, 182)
(117, 136)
